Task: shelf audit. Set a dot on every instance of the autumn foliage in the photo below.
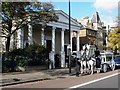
(114, 39)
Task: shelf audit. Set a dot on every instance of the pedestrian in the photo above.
(13, 65)
(97, 52)
(98, 60)
(77, 66)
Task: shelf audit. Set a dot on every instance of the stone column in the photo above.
(62, 49)
(77, 41)
(53, 39)
(52, 53)
(78, 44)
(19, 38)
(22, 38)
(42, 36)
(12, 42)
(71, 39)
(30, 38)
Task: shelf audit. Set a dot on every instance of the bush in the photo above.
(37, 52)
(21, 61)
(8, 63)
(34, 50)
(18, 51)
(30, 56)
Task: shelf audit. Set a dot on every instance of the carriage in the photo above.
(107, 61)
(89, 63)
(87, 59)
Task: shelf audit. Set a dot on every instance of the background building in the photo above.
(93, 31)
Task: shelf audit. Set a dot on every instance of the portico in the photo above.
(55, 36)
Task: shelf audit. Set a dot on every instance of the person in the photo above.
(98, 60)
(77, 67)
(77, 63)
(13, 62)
(97, 52)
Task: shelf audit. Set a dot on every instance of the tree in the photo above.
(15, 14)
(114, 39)
(117, 20)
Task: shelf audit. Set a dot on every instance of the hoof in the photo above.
(77, 75)
(91, 74)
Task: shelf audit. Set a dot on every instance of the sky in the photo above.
(107, 9)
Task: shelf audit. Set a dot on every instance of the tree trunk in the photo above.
(8, 44)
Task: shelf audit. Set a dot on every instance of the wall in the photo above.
(82, 33)
(57, 41)
(37, 34)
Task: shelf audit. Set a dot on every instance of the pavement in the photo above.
(32, 76)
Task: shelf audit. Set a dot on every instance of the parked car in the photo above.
(107, 61)
(117, 61)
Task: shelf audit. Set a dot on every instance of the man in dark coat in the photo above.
(98, 61)
(77, 67)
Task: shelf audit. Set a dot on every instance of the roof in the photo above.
(87, 28)
(96, 18)
(66, 18)
(63, 21)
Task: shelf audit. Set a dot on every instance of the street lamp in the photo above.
(69, 40)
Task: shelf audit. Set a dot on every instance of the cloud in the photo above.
(106, 5)
(109, 20)
(107, 10)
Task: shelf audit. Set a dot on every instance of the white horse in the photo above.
(87, 61)
(91, 65)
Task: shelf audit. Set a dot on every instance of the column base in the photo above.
(78, 54)
(52, 61)
(62, 59)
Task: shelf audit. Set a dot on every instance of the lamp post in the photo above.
(69, 39)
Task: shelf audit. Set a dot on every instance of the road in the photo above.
(102, 80)
(111, 82)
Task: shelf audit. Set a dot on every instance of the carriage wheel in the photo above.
(104, 68)
(113, 67)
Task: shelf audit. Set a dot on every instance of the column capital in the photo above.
(78, 31)
(53, 28)
(62, 52)
(71, 30)
(63, 29)
(29, 24)
(42, 29)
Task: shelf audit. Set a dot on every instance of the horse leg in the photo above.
(91, 63)
(85, 68)
(92, 69)
(88, 64)
(81, 68)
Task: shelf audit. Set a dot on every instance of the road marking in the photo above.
(83, 84)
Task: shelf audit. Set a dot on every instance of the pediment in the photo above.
(64, 18)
